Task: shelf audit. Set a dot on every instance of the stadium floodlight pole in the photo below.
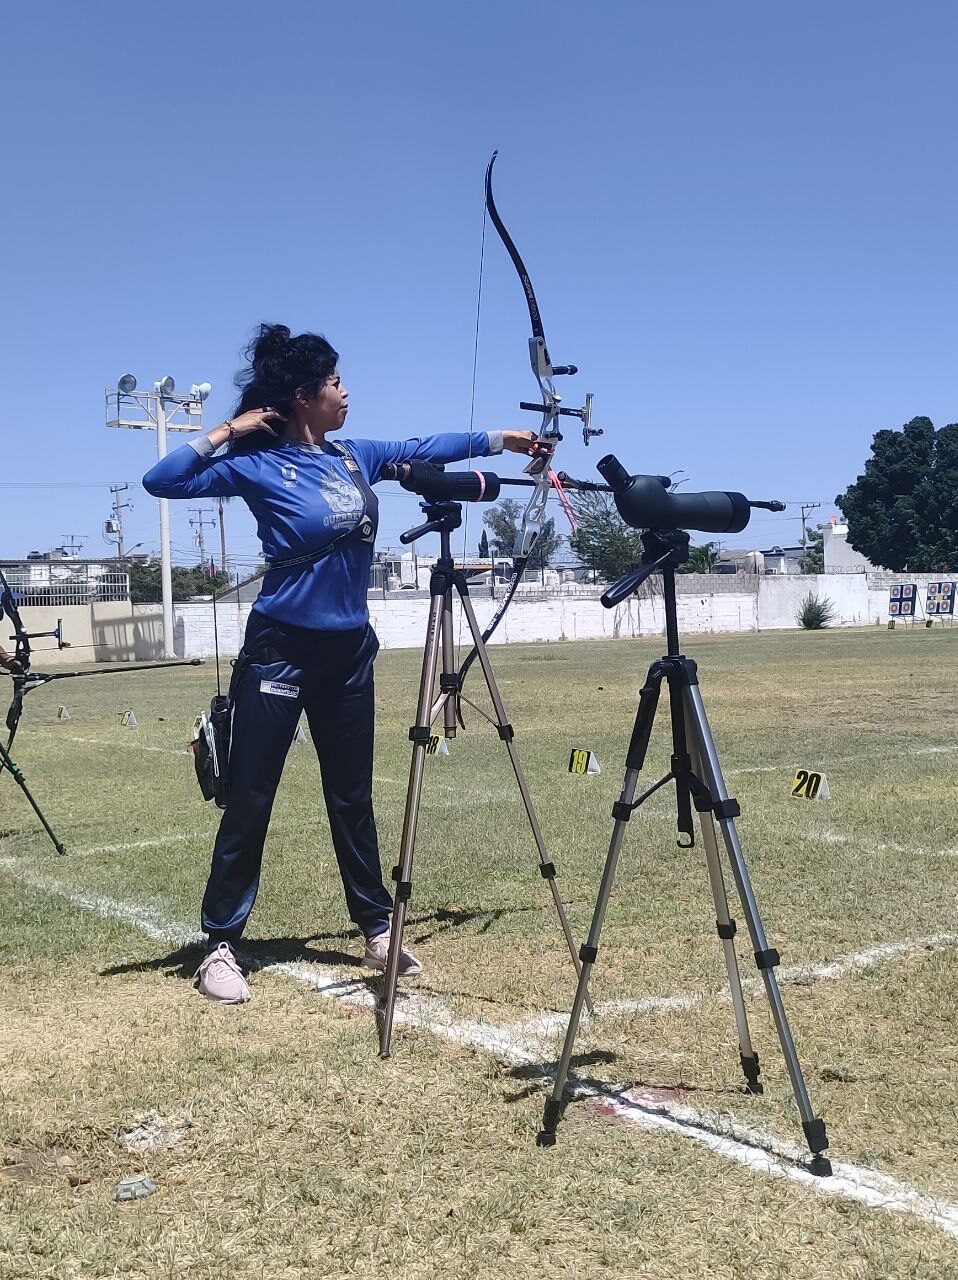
(166, 560)
(158, 409)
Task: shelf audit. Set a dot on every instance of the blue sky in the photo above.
(739, 220)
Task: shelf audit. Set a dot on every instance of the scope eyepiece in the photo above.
(613, 473)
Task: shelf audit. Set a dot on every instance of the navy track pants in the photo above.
(282, 671)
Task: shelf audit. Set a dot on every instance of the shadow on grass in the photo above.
(656, 1106)
(258, 953)
(541, 1074)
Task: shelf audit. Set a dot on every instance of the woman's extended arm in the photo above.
(448, 447)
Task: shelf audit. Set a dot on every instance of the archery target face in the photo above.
(901, 600)
(941, 598)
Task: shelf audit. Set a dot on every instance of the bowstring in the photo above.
(472, 406)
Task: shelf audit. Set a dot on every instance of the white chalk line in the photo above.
(829, 761)
(880, 846)
(155, 842)
(542, 1029)
(749, 1147)
(126, 744)
(763, 1154)
(172, 751)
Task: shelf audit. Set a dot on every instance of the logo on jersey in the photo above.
(343, 499)
(289, 476)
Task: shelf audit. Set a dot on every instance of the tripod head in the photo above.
(665, 549)
(441, 517)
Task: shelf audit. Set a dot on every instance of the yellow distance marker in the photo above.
(808, 784)
(582, 762)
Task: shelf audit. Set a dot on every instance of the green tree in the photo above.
(813, 561)
(701, 559)
(602, 539)
(902, 511)
(484, 546)
(503, 521)
(146, 585)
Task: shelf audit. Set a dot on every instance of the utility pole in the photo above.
(222, 538)
(807, 507)
(70, 542)
(117, 521)
(198, 524)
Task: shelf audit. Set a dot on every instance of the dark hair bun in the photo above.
(272, 343)
(279, 365)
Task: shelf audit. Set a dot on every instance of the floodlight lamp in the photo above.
(126, 384)
(165, 386)
(200, 391)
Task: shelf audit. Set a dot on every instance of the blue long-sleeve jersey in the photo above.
(303, 497)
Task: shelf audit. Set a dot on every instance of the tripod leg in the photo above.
(546, 865)
(725, 927)
(766, 957)
(621, 812)
(17, 774)
(448, 680)
(402, 874)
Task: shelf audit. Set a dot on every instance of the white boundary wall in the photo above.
(706, 604)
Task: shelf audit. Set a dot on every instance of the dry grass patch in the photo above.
(302, 1154)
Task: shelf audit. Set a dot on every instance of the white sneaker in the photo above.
(377, 949)
(220, 978)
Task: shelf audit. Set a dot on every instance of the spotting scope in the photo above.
(644, 502)
(436, 485)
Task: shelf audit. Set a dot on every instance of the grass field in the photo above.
(283, 1147)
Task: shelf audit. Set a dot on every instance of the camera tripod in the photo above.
(443, 517)
(697, 775)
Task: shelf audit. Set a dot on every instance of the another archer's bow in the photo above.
(22, 655)
(549, 435)
(24, 678)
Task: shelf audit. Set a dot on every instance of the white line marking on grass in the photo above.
(828, 761)
(751, 1148)
(151, 921)
(878, 846)
(124, 744)
(870, 846)
(156, 842)
(543, 1028)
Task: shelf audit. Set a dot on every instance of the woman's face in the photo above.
(326, 411)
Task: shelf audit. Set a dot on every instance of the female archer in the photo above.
(308, 644)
